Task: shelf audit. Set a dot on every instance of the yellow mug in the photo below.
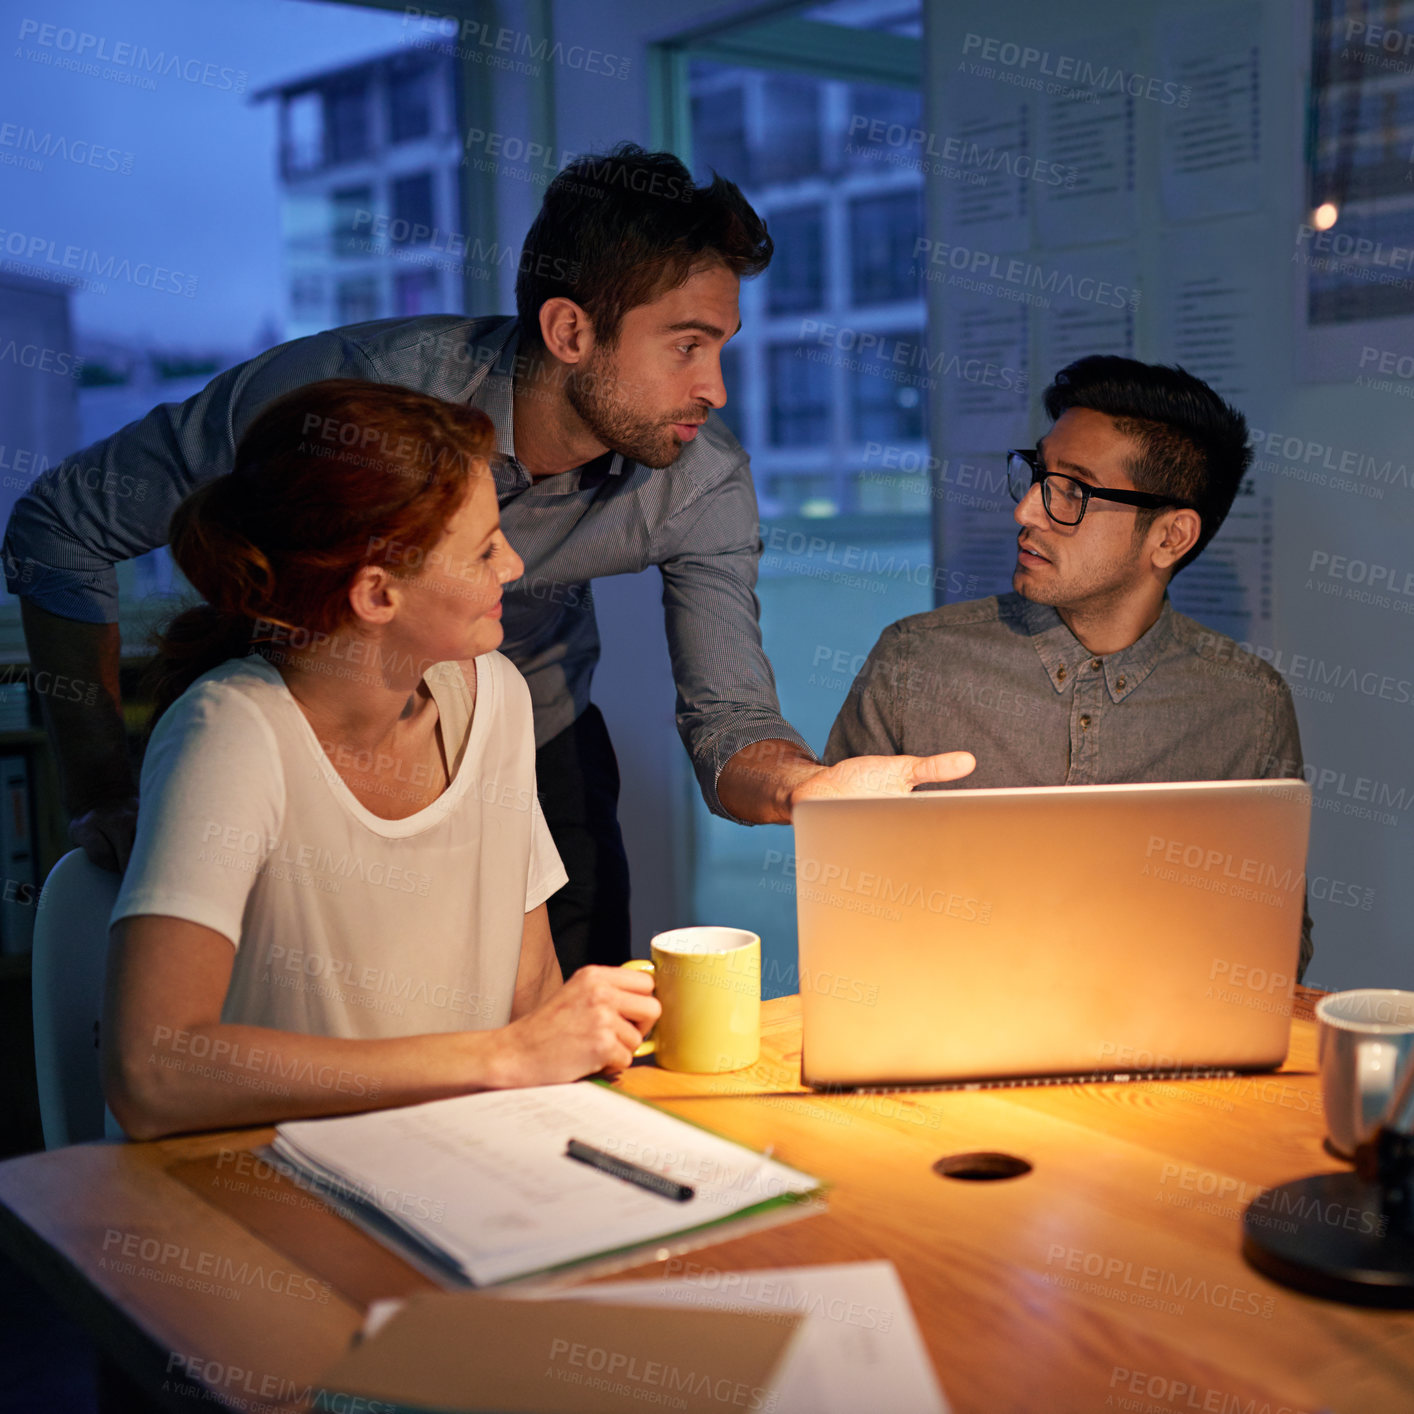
(708, 981)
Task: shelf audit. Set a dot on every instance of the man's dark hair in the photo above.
(617, 231)
(1192, 444)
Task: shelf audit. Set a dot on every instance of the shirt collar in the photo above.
(498, 395)
(496, 400)
(1060, 652)
(1124, 671)
(498, 403)
(1063, 655)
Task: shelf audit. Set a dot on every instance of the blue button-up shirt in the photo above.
(696, 520)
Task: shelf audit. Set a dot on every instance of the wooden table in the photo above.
(1108, 1278)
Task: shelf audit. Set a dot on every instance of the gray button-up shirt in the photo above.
(1005, 679)
(696, 520)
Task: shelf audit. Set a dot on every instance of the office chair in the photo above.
(70, 957)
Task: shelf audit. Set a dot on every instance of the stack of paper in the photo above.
(857, 1348)
(471, 1352)
(795, 1340)
(483, 1182)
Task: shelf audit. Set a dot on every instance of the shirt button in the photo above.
(1095, 663)
(1060, 673)
(1119, 684)
(1085, 721)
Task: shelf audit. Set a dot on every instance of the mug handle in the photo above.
(650, 1043)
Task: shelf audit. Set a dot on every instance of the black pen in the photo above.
(630, 1173)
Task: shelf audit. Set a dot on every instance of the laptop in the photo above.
(975, 936)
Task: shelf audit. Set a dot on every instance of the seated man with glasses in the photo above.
(1085, 674)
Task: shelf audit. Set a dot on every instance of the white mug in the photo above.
(1365, 1041)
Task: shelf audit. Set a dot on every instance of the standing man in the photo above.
(1085, 674)
(603, 393)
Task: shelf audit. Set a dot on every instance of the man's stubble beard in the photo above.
(1112, 581)
(594, 394)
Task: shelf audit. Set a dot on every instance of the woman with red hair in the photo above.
(336, 900)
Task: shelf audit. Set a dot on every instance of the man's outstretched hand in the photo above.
(762, 783)
(882, 775)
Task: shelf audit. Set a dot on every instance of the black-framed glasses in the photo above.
(1065, 498)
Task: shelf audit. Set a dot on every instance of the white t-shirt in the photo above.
(344, 923)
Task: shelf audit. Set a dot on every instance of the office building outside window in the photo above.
(306, 293)
(351, 214)
(304, 134)
(357, 300)
(719, 128)
(833, 343)
(827, 390)
(883, 241)
(791, 113)
(797, 283)
(410, 102)
(413, 214)
(799, 396)
(371, 191)
(417, 292)
(346, 121)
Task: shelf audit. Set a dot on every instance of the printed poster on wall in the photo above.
(1211, 137)
(1090, 125)
(1094, 310)
(1211, 325)
(985, 165)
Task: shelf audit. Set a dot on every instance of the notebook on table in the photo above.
(480, 1186)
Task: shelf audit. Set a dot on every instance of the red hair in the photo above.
(327, 479)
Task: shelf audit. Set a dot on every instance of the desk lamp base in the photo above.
(1347, 1246)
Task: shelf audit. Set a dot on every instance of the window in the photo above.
(884, 232)
(358, 300)
(734, 413)
(838, 256)
(1354, 239)
(1362, 119)
(802, 493)
(887, 402)
(800, 396)
(346, 122)
(875, 109)
(797, 282)
(719, 131)
(351, 220)
(418, 292)
(409, 103)
(412, 209)
(258, 96)
(790, 122)
(304, 133)
(804, 399)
